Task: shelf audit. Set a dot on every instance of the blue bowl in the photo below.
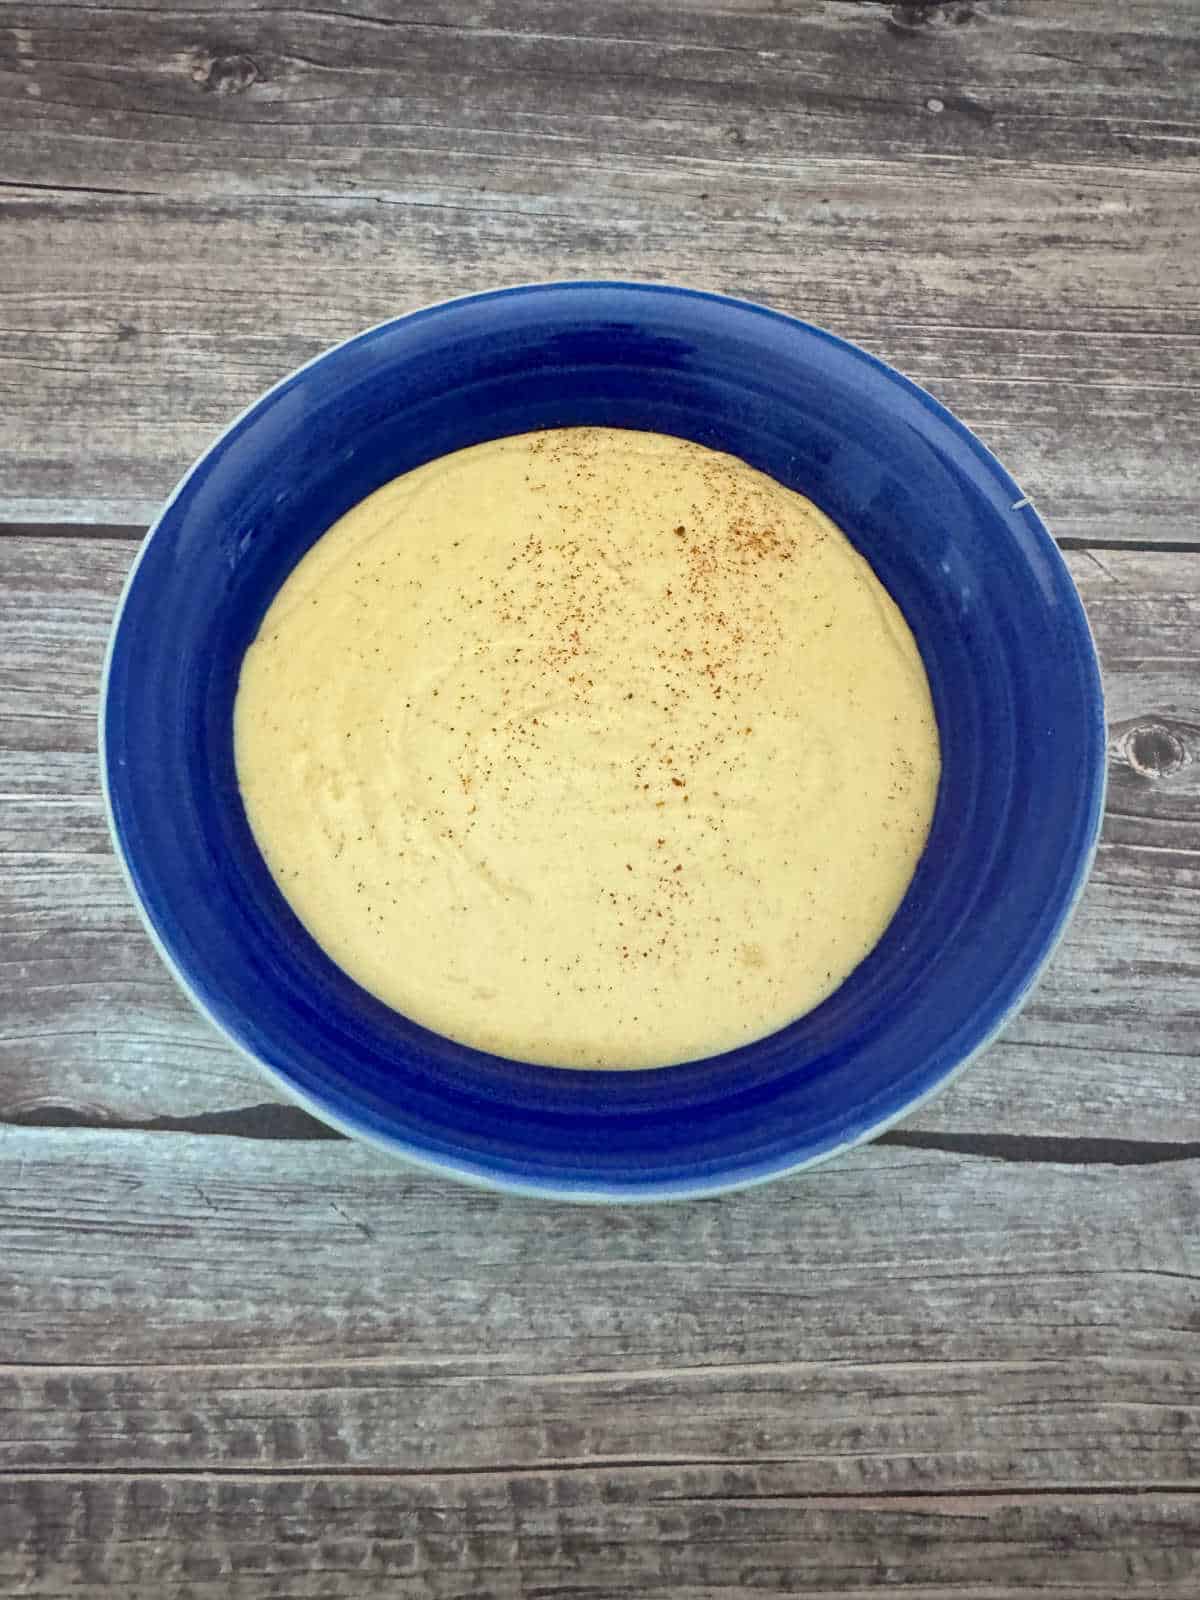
(1006, 647)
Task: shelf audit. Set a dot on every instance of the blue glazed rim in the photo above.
(341, 1110)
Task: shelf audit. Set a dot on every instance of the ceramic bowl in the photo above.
(1006, 647)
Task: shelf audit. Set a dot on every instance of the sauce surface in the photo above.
(589, 747)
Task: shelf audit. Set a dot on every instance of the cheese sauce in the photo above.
(589, 747)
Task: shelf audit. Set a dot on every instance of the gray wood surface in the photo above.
(242, 1357)
(704, 1533)
(750, 1395)
(1002, 199)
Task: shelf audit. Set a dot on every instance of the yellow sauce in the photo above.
(589, 747)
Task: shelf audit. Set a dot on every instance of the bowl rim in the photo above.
(474, 1173)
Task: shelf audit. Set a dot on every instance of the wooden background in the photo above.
(241, 1357)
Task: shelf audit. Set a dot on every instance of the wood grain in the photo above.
(839, 1427)
(206, 199)
(92, 1027)
(140, 327)
(707, 1534)
(130, 1249)
(346, 98)
(270, 1369)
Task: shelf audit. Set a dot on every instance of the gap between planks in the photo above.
(866, 1497)
(279, 1122)
(465, 1368)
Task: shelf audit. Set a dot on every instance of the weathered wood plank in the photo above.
(703, 1533)
(1060, 323)
(837, 1427)
(132, 1248)
(91, 1025)
(162, 98)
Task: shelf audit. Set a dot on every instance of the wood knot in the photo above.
(232, 74)
(1153, 751)
(912, 15)
(917, 15)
